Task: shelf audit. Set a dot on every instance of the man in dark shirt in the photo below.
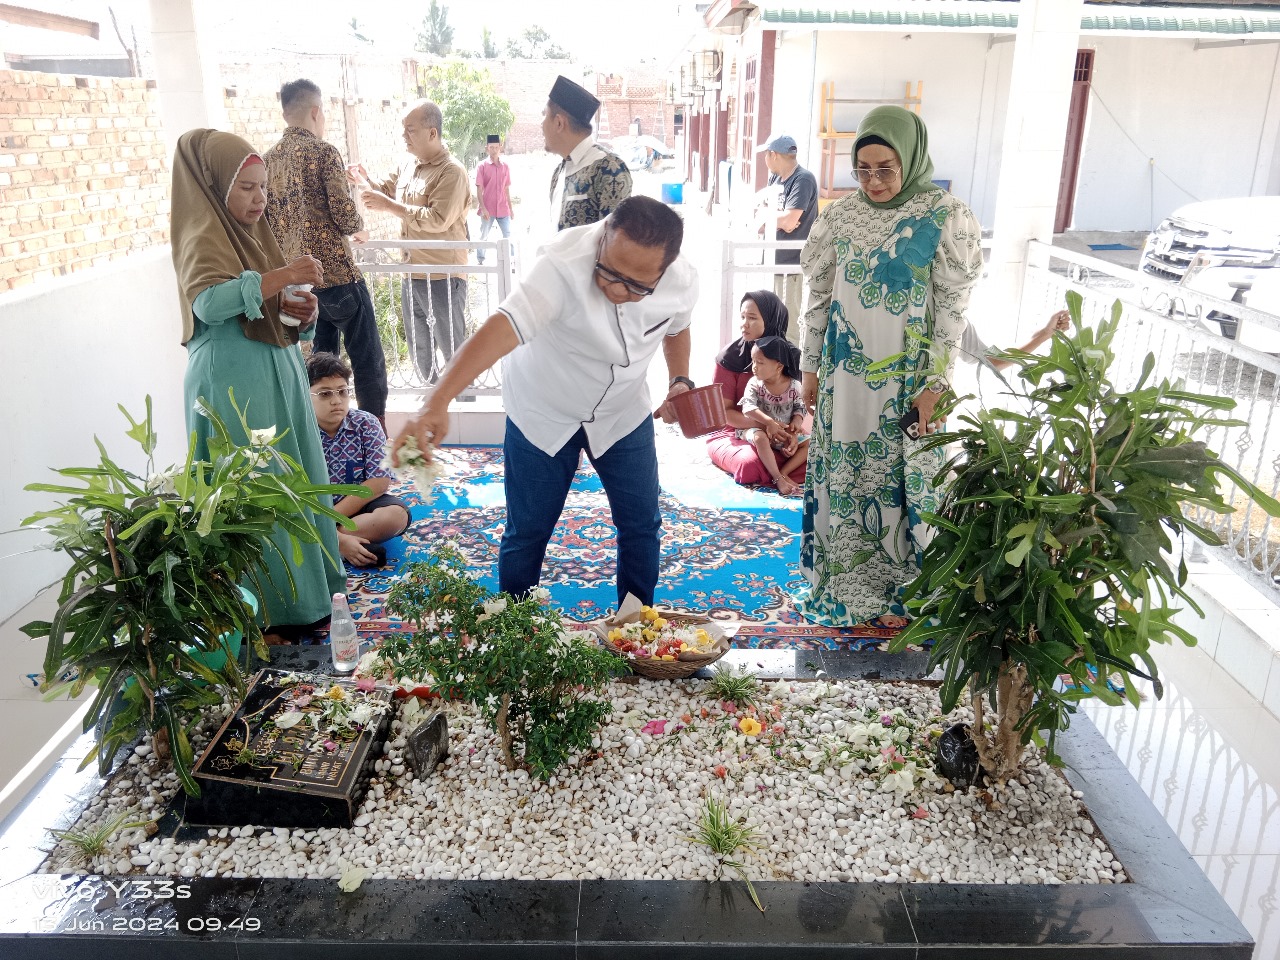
(310, 210)
(797, 209)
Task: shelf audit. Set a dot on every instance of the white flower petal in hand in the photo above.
(423, 467)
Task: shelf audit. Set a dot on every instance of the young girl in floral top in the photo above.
(772, 399)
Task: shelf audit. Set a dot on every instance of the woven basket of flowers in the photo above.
(661, 645)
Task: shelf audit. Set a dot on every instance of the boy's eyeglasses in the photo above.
(633, 288)
(327, 395)
(883, 174)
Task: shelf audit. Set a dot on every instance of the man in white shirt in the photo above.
(577, 336)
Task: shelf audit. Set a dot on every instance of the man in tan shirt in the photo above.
(431, 195)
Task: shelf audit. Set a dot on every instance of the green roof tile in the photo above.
(1231, 23)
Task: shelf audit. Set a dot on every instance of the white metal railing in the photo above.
(746, 265)
(1176, 326)
(412, 365)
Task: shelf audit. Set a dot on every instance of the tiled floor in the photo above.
(27, 720)
(1206, 754)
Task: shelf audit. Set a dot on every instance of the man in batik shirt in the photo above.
(310, 210)
(591, 181)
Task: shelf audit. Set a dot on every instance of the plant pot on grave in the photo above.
(957, 756)
(231, 645)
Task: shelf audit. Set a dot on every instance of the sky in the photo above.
(607, 36)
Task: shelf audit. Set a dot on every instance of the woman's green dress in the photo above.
(882, 281)
(271, 389)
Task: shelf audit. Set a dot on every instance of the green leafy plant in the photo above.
(1049, 555)
(93, 842)
(153, 587)
(741, 689)
(471, 105)
(533, 683)
(725, 836)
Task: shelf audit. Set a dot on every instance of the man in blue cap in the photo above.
(796, 211)
(591, 181)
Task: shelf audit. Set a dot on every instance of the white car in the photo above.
(1228, 249)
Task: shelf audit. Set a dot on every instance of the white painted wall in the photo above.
(965, 87)
(73, 350)
(1209, 117)
(1201, 114)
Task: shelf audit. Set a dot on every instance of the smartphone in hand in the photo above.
(909, 423)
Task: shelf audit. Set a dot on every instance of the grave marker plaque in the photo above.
(256, 771)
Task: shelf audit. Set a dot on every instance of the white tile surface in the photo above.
(1207, 628)
(38, 722)
(1243, 652)
(1250, 887)
(1271, 697)
(21, 654)
(1207, 757)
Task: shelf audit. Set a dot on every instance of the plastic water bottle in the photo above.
(344, 643)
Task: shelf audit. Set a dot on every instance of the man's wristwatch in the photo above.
(685, 380)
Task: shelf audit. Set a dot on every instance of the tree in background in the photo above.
(488, 49)
(537, 45)
(355, 31)
(471, 105)
(436, 36)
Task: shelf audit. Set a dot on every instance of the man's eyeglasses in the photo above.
(633, 288)
(327, 395)
(883, 174)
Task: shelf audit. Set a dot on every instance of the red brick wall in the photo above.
(525, 85)
(624, 99)
(84, 176)
(84, 171)
(256, 117)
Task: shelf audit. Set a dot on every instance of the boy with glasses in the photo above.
(354, 447)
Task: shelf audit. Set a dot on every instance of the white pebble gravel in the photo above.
(626, 809)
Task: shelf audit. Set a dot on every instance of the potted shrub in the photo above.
(533, 682)
(152, 600)
(1052, 546)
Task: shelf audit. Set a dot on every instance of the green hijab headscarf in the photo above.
(905, 132)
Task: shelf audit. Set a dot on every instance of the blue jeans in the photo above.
(346, 311)
(537, 484)
(486, 224)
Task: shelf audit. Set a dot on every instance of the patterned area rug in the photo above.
(729, 552)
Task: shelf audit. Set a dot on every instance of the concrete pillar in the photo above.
(1266, 168)
(187, 79)
(1031, 158)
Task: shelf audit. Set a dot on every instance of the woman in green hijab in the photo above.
(241, 334)
(889, 269)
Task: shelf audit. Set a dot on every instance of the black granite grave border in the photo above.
(1170, 910)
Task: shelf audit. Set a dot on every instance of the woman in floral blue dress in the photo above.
(889, 270)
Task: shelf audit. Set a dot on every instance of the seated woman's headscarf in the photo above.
(736, 357)
(784, 352)
(209, 245)
(904, 133)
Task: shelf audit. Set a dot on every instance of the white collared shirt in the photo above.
(583, 155)
(582, 361)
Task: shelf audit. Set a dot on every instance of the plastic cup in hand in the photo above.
(293, 292)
